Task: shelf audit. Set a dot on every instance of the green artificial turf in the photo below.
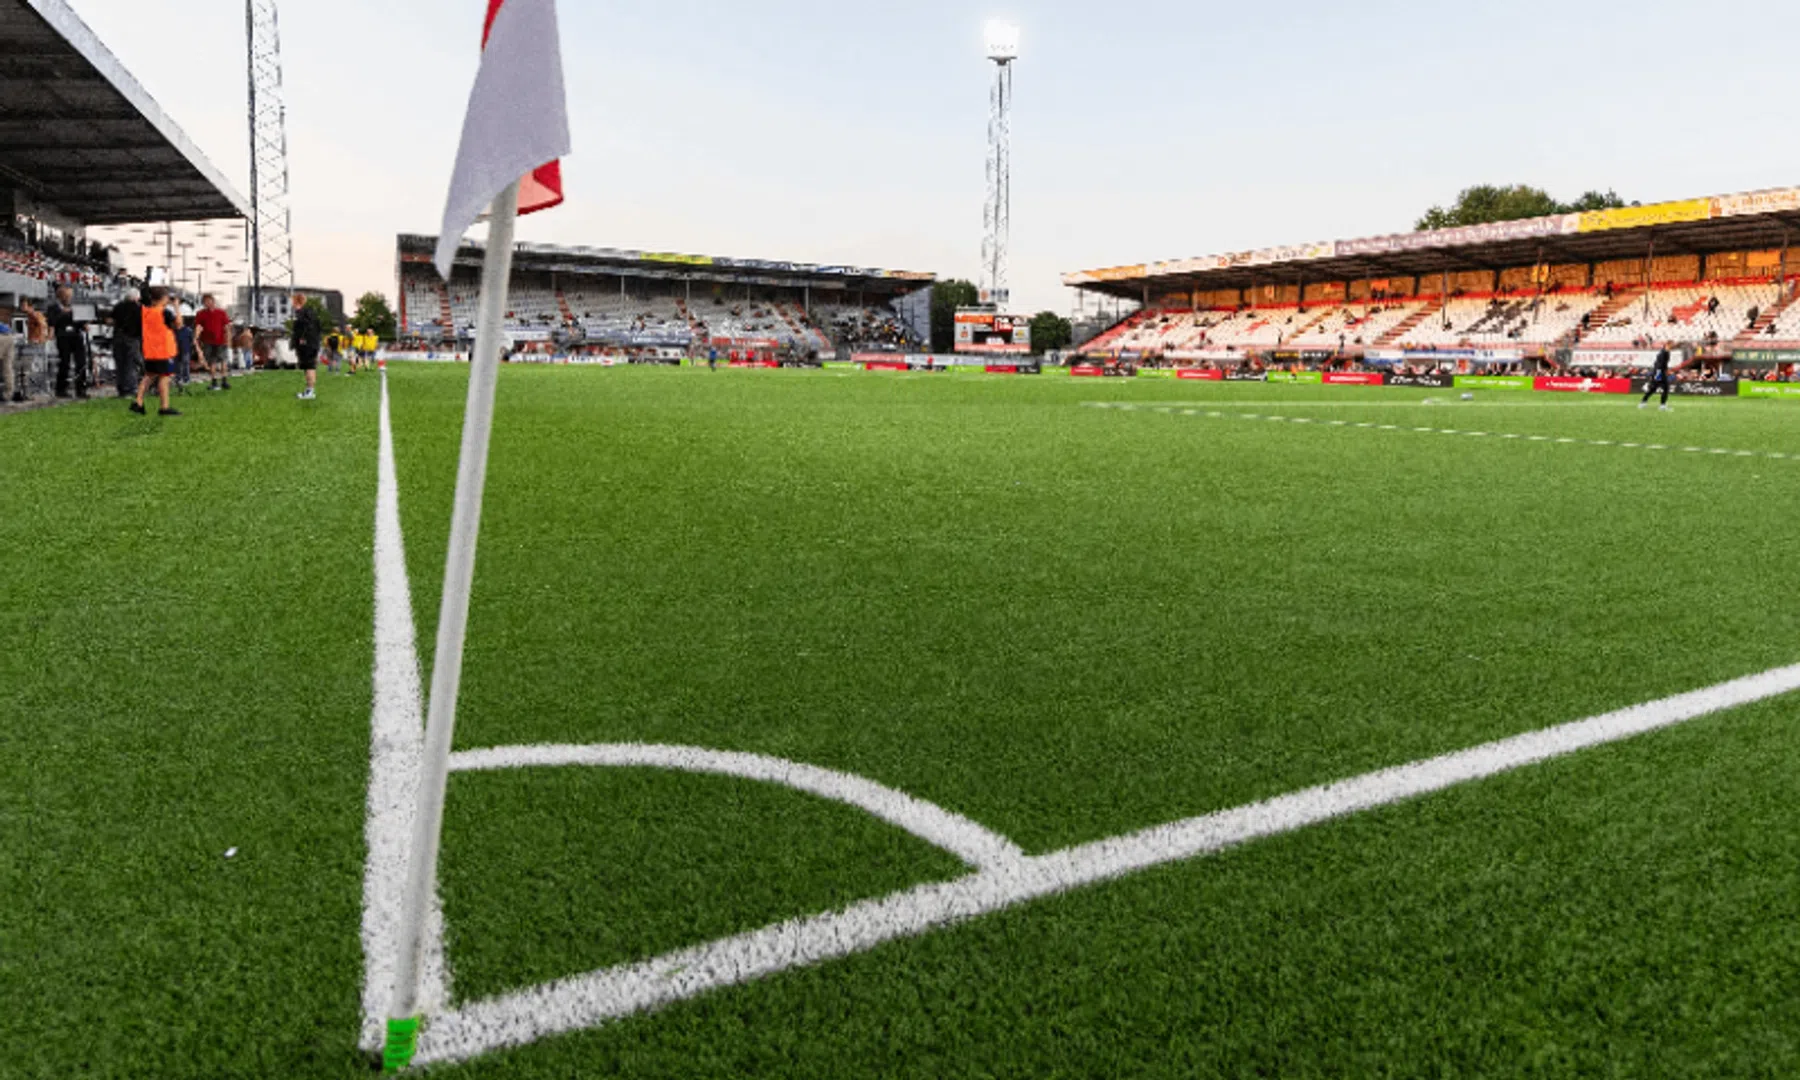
(1060, 621)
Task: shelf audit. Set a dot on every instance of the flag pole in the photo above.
(453, 618)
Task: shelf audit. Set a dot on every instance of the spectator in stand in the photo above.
(128, 343)
(9, 361)
(307, 337)
(71, 344)
(215, 342)
(160, 351)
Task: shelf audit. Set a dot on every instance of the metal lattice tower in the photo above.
(271, 234)
(1002, 49)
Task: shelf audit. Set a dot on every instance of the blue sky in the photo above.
(793, 129)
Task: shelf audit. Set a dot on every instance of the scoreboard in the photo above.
(992, 333)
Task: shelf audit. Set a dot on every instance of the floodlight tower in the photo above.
(1002, 50)
(271, 233)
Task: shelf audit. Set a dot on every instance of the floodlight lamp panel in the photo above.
(1002, 41)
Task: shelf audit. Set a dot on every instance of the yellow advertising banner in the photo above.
(1638, 217)
(1116, 273)
(681, 260)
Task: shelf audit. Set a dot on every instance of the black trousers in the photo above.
(71, 353)
(1660, 379)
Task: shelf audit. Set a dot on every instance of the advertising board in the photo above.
(1494, 382)
(1783, 391)
(1691, 389)
(1428, 382)
(1568, 385)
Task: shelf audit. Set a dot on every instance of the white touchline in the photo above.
(588, 1001)
(397, 734)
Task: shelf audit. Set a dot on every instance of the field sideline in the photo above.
(1060, 622)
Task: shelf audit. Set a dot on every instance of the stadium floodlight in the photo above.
(1002, 49)
(1002, 41)
(271, 224)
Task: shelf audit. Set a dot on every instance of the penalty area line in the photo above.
(591, 1000)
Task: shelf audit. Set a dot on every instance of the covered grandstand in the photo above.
(82, 144)
(1711, 276)
(631, 303)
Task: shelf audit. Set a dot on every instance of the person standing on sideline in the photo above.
(128, 343)
(334, 351)
(308, 335)
(9, 362)
(215, 341)
(184, 343)
(37, 338)
(1659, 378)
(245, 347)
(71, 344)
(160, 351)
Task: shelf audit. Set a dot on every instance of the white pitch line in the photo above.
(588, 1001)
(397, 736)
(973, 844)
(1551, 439)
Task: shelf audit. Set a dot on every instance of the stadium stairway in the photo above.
(562, 305)
(1758, 333)
(447, 313)
(1413, 322)
(1606, 312)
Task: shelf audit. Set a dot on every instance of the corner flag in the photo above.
(517, 125)
(518, 121)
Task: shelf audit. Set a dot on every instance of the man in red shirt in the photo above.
(215, 341)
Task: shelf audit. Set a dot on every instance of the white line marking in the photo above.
(1771, 455)
(956, 834)
(396, 740)
(590, 1000)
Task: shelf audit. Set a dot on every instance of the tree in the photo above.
(373, 313)
(1594, 200)
(1487, 203)
(317, 306)
(946, 297)
(1050, 332)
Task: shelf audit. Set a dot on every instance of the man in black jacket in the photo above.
(128, 343)
(71, 344)
(306, 339)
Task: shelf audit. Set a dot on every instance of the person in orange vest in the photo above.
(160, 351)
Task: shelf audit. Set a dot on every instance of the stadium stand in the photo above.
(1540, 290)
(83, 147)
(600, 298)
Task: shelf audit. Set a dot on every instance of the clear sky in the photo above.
(833, 132)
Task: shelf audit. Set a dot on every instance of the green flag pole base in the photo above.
(402, 1044)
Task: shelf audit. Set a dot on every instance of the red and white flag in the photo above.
(518, 122)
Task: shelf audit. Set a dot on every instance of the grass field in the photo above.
(1061, 622)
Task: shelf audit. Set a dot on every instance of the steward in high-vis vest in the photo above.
(160, 350)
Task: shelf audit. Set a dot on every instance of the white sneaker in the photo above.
(1642, 405)
(1667, 408)
(306, 395)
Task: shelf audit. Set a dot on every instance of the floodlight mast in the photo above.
(1002, 50)
(271, 226)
